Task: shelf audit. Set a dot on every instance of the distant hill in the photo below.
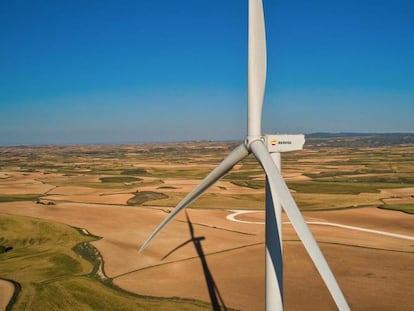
(358, 139)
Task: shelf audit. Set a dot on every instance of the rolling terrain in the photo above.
(73, 218)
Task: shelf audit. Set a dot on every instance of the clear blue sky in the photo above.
(103, 71)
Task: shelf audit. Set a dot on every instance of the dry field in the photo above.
(121, 193)
(6, 293)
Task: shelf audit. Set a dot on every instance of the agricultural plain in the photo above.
(73, 218)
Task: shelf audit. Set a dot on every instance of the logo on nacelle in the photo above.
(284, 142)
(274, 142)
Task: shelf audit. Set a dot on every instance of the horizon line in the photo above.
(154, 142)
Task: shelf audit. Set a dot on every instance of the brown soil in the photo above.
(6, 293)
(375, 272)
(18, 183)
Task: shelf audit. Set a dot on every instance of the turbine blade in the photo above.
(280, 190)
(226, 165)
(256, 67)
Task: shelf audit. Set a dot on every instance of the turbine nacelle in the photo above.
(278, 142)
(284, 142)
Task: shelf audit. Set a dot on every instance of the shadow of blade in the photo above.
(176, 249)
(217, 301)
(273, 243)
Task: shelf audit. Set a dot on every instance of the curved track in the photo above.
(233, 217)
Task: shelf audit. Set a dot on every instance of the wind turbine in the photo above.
(266, 149)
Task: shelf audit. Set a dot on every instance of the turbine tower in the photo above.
(266, 149)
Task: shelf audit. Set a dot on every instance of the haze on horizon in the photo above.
(75, 72)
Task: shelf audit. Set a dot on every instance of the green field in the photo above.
(41, 258)
(145, 196)
(406, 208)
(214, 201)
(119, 179)
(342, 187)
(16, 197)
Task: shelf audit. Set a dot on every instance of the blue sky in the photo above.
(162, 70)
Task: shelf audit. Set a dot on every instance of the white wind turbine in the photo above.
(267, 149)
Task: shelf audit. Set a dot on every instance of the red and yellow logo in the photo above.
(274, 142)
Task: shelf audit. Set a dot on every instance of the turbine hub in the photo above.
(252, 138)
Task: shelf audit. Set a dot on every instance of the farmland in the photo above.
(118, 194)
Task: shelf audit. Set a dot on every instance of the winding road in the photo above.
(236, 213)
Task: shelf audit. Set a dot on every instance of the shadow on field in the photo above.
(216, 300)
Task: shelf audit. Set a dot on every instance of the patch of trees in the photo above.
(45, 202)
